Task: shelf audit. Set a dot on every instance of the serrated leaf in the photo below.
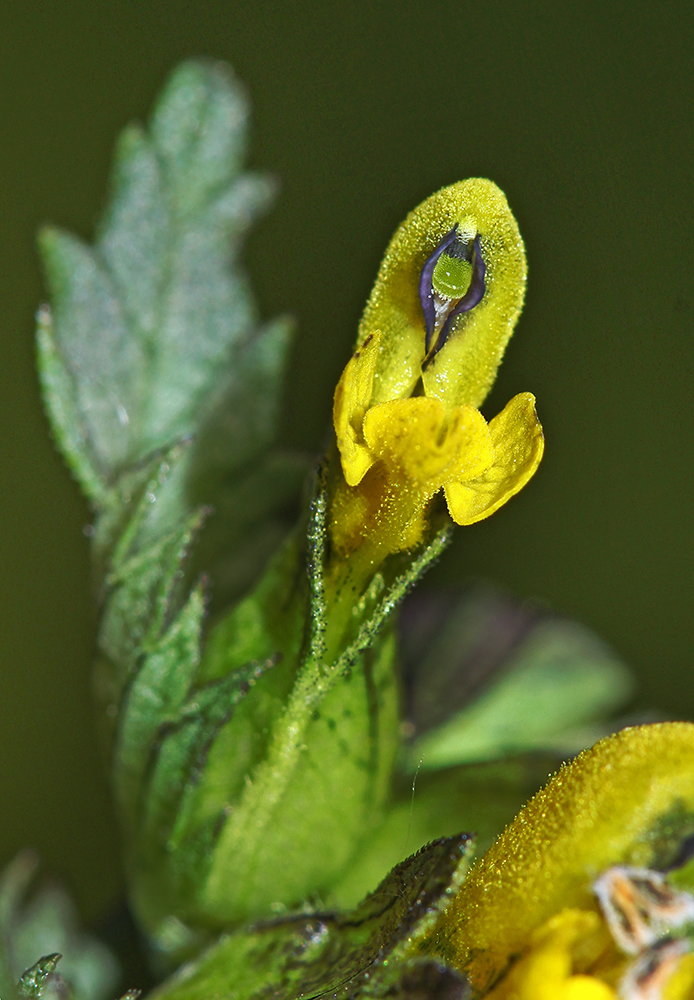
(369, 951)
(172, 716)
(157, 692)
(296, 824)
(296, 777)
(173, 849)
(321, 785)
(199, 131)
(155, 324)
(229, 466)
(105, 362)
(164, 394)
(128, 518)
(136, 232)
(60, 398)
(141, 600)
(180, 751)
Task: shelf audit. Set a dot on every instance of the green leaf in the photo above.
(163, 391)
(199, 130)
(152, 339)
(45, 922)
(34, 980)
(105, 361)
(370, 951)
(184, 766)
(481, 799)
(511, 680)
(246, 788)
(155, 325)
(321, 785)
(59, 390)
(171, 831)
(156, 695)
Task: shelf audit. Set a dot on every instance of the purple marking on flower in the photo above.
(472, 297)
(426, 292)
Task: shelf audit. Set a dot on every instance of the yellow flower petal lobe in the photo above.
(352, 398)
(386, 510)
(426, 443)
(586, 988)
(545, 971)
(518, 444)
(680, 986)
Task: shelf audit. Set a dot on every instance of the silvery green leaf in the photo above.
(155, 325)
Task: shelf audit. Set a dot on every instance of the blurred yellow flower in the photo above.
(574, 901)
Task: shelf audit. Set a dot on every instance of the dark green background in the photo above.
(583, 115)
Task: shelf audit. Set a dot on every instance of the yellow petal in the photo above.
(586, 988)
(427, 444)
(352, 397)
(465, 368)
(628, 800)
(680, 986)
(518, 445)
(544, 972)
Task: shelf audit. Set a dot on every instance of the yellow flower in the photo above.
(572, 902)
(448, 294)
